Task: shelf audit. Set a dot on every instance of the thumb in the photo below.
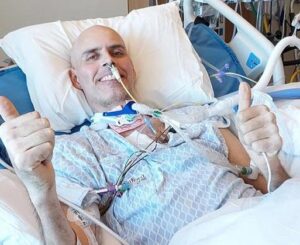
(7, 110)
(244, 96)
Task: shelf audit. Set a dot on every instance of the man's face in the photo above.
(95, 48)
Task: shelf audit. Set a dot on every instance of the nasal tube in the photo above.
(116, 74)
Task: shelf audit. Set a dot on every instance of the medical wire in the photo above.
(141, 155)
(235, 75)
(269, 172)
(130, 163)
(210, 65)
(232, 74)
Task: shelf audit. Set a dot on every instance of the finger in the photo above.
(21, 120)
(244, 96)
(25, 143)
(25, 129)
(267, 119)
(7, 110)
(252, 112)
(33, 158)
(269, 145)
(260, 134)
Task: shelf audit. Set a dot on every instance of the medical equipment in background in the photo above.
(253, 51)
(264, 11)
(273, 18)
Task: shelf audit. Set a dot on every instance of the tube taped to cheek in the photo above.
(287, 154)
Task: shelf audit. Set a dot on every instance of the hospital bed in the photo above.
(251, 48)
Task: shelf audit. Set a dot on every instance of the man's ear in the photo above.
(73, 78)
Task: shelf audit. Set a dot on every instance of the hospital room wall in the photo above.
(15, 14)
(136, 4)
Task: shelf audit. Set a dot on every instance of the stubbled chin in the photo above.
(113, 92)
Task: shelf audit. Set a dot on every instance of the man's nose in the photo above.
(107, 59)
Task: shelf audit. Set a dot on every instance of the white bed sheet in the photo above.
(288, 119)
(269, 220)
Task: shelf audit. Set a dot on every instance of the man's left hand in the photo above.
(257, 127)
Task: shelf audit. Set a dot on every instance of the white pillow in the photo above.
(168, 69)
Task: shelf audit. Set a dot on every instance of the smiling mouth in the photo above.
(108, 78)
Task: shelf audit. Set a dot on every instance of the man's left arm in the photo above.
(258, 133)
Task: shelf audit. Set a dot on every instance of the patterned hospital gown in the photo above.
(177, 183)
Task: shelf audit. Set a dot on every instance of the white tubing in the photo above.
(272, 62)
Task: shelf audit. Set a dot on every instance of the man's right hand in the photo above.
(29, 141)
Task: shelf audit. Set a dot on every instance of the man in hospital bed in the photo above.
(170, 188)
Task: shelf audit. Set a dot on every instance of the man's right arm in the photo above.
(56, 228)
(29, 141)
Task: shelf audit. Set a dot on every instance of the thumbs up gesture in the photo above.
(29, 141)
(256, 125)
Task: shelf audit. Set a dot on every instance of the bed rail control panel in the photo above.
(253, 61)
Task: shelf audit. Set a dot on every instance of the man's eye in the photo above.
(118, 53)
(92, 57)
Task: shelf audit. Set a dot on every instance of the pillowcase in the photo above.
(207, 44)
(168, 69)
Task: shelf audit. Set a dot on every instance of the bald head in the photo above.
(86, 40)
(96, 47)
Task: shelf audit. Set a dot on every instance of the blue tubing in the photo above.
(287, 94)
